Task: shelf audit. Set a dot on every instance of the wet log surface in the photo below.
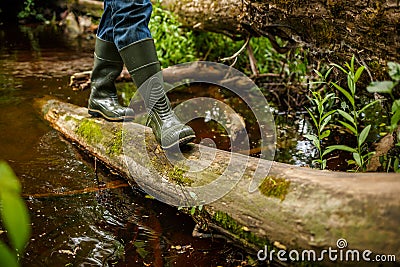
(294, 208)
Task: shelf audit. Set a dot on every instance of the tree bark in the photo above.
(312, 211)
(368, 28)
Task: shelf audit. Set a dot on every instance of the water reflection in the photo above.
(76, 219)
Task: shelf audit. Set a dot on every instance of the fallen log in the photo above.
(293, 208)
(367, 28)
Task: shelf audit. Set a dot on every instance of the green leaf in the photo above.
(384, 87)
(339, 67)
(15, 219)
(192, 210)
(327, 97)
(325, 134)
(328, 72)
(394, 120)
(348, 126)
(314, 139)
(342, 147)
(318, 73)
(394, 70)
(312, 117)
(357, 158)
(328, 113)
(395, 105)
(325, 122)
(344, 92)
(8, 180)
(363, 135)
(367, 106)
(346, 115)
(7, 258)
(358, 73)
(396, 165)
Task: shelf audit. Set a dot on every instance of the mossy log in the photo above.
(294, 208)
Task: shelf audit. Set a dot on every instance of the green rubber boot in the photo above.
(103, 100)
(141, 60)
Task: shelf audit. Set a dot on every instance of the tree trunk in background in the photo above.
(370, 29)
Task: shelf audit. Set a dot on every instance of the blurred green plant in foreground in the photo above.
(14, 217)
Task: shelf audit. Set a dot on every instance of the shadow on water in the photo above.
(74, 222)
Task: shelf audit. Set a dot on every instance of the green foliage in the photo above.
(390, 161)
(173, 43)
(386, 87)
(14, 217)
(351, 114)
(30, 11)
(321, 116)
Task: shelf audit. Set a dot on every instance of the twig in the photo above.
(235, 56)
(253, 60)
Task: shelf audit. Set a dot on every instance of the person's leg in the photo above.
(136, 47)
(103, 100)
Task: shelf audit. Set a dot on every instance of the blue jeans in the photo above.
(125, 21)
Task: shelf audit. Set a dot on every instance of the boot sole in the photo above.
(97, 114)
(181, 142)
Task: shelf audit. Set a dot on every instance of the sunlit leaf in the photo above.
(384, 87)
(8, 180)
(7, 257)
(395, 105)
(358, 73)
(348, 126)
(346, 115)
(395, 120)
(328, 72)
(15, 219)
(325, 134)
(363, 135)
(342, 147)
(394, 70)
(328, 114)
(314, 139)
(357, 158)
(325, 122)
(396, 166)
(312, 117)
(344, 92)
(339, 67)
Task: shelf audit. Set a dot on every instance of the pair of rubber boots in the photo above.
(141, 60)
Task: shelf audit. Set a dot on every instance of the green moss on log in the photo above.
(115, 147)
(240, 231)
(89, 130)
(177, 176)
(274, 187)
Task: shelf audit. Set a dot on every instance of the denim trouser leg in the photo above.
(125, 21)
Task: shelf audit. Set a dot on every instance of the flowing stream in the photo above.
(82, 214)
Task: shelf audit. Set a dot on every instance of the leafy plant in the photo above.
(14, 217)
(174, 44)
(392, 160)
(352, 116)
(30, 11)
(321, 118)
(386, 87)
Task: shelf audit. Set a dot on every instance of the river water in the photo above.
(81, 214)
